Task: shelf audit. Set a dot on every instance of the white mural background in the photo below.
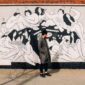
(14, 49)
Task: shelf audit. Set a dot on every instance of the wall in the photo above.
(60, 50)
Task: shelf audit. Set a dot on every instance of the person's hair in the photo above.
(16, 13)
(3, 23)
(66, 19)
(10, 35)
(44, 31)
(61, 10)
(37, 11)
(29, 11)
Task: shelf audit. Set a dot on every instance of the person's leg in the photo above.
(46, 69)
(41, 70)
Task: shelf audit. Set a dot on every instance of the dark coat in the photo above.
(43, 51)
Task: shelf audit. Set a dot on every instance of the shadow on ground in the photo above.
(19, 76)
(29, 74)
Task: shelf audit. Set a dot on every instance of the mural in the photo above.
(21, 28)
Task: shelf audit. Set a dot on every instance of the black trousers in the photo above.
(43, 67)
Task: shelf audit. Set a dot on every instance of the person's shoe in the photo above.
(47, 74)
(42, 75)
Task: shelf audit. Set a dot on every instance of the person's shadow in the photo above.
(29, 78)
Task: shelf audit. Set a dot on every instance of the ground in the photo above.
(31, 77)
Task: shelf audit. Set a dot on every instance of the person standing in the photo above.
(44, 54)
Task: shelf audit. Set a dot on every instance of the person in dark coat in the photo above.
(44, 54)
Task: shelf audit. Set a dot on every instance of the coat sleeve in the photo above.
(39, 44)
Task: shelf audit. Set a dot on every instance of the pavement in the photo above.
(32, 77)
